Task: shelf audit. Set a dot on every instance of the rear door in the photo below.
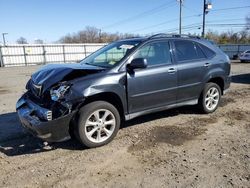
(192, 66)
(154, 86)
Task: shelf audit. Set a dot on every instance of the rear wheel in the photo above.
(98, 124)
(210, 98)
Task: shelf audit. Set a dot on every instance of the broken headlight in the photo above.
(58, 92)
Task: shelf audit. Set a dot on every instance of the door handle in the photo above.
(171, 70)
(207, 64)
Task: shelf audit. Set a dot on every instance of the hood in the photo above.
(54, 73)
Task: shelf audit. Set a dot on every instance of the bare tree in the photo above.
(38, 41)
(93, 35)
(244, 36)
(21, 40)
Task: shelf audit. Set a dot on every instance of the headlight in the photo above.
(58, 92)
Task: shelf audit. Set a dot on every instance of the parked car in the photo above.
(123, 80)
(245, 56)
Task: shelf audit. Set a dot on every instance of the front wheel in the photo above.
(210, 98)
(98, 124)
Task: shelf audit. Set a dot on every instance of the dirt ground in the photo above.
(174, 148)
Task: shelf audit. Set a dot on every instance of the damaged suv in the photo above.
(121, 81)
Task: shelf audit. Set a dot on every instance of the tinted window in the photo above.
(188, 50)
(200, 53)
(155, 53)
(209, 53)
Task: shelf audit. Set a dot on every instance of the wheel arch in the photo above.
(109, 97)
(219, 81)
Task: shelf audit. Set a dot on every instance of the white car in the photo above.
(245, 56)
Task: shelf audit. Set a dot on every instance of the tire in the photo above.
(93, 128)
(242, 61)
(207, 98)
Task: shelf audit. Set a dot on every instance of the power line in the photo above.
(184, 27)
(225, 20)
(160, 8)
(143, 14)
(225, 25)
(163, 23)
(190, 9)
(169, 21)
(210, 23)
(230, 8)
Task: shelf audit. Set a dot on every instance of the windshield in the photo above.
(110, 55)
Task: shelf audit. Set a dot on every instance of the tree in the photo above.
(93, 35)
(38, 41)
(21, 40)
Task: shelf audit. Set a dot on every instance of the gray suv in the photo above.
(123, 80)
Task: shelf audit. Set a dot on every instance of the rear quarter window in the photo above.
(209, 53)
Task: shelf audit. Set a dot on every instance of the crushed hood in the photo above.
(54, 73)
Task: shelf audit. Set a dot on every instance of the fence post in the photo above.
(238, 49)
(1, 57)
(85, 51)
(64, 59)
(24, 55)
(44, 55)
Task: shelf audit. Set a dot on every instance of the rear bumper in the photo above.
(49, 130)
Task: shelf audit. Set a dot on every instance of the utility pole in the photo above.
(206, 7)
(204, 17)
(4, 42)
(180, 1)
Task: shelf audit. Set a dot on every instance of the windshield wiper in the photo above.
(96, 65)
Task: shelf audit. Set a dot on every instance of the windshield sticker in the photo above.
(112, 62)
(126, 46)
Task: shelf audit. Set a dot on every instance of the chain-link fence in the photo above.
(24, 55)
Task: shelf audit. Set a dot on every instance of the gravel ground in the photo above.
(174, 148)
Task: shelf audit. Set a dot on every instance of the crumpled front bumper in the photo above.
(33, 118)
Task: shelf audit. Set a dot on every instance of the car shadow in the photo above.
(241, 78)
(162, 114)
(19, 142)
(14, 140)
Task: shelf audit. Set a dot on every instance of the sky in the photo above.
(49, 20)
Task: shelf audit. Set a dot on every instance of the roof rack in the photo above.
(172, 35)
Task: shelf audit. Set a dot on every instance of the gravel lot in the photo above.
(174, 148)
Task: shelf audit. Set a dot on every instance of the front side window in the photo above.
(110, 55)
(187, 50)
(156, 53)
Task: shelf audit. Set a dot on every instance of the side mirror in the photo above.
(138, 63)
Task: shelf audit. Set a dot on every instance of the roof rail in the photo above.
(171, 35)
